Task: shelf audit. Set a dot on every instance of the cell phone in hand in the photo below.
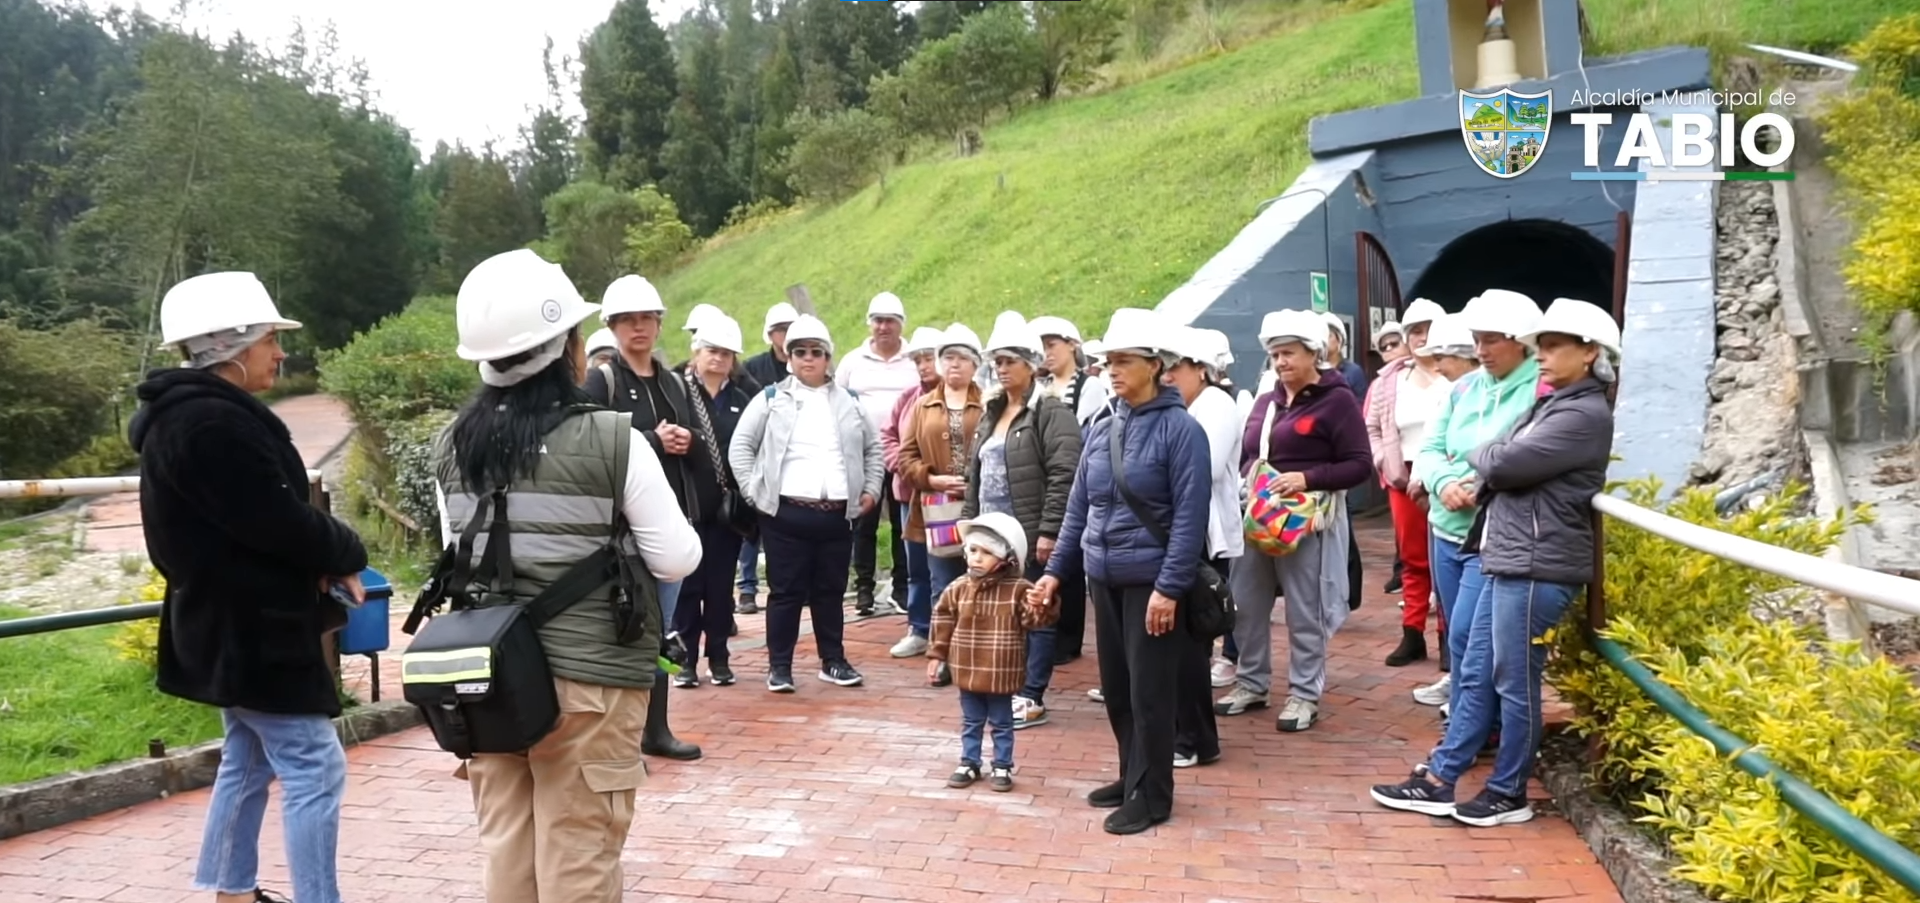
(342, 595)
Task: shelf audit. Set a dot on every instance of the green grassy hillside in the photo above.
(1081, 206)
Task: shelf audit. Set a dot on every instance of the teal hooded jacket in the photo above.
(1477, 411)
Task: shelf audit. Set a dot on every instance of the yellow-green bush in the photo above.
(1875, 136)
(139, 641)
(1837, 719)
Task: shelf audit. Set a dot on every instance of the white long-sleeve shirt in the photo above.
(668, 544)
(1220, 418)
(877, 381)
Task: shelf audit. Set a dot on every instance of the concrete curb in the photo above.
(1639, 865)
(51, 802)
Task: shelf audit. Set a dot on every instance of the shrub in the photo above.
(401, 368)
(409, 454)
(1827, 715)
(1875, 135)
(139, 641)
(57, 392)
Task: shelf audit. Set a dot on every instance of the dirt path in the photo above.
(93, 557)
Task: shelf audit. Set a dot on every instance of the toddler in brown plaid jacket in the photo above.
(980, 629)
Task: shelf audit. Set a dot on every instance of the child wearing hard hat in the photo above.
(980, 630)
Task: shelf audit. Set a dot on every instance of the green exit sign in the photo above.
(1317, 290)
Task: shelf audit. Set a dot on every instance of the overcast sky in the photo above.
(447, 70)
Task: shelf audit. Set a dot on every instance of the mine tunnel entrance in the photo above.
(1542, 259)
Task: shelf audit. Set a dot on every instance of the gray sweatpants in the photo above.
(1314, 581)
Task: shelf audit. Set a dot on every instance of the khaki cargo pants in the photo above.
(553, 819)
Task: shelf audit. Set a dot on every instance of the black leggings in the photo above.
(1139, 675)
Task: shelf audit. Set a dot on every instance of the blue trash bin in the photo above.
(367, 631)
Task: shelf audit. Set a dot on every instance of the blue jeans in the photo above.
(669, 602)
(1458, 582)
(1040, 645)
(1501, 685)
(304, 752)
(749, 583)
(919, 590)
(977, 710)
(941, 572)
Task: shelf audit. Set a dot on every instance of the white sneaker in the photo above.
(1097, 696)
(1298, 715)
(1223, 672)
(1239, 700)
(910, 647)
(1436, 693)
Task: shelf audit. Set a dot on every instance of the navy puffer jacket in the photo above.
(1168, 470)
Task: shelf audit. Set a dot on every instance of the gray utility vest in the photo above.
(561, 515)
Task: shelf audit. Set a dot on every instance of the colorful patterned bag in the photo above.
(941, 511)
(1275, 522)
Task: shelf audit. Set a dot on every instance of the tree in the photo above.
(587, 225)
(842, 46)
(357, 262)
(481, 214)
(659, 238)
(937, 20)
(837, 154)
(1075, 39)
(547, 158)
(955, 83)
(627, 87)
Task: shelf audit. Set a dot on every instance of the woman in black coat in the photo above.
(720, 390)
(247, 563)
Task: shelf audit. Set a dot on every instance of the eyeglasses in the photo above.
(807, 352)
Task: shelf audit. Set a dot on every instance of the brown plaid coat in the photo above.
(980, 630)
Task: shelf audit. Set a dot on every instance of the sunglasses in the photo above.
(807, 352)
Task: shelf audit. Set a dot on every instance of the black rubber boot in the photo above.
(658, 739)
(1412, 648)
(1446, 658)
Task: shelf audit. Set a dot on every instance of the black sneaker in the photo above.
(780, 678)
(687, 679)
(944, 677)
(840, 674)
(964, 776)
(746, 605)
(1393, 584)
(1490, 809)
(863, 602)
(1002, 780)
(720, 674)
(1417, 793)
(261, 896)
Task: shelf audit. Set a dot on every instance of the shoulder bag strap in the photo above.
(1116, 438)
(703, 418)
(606, 370)
(1266, 423)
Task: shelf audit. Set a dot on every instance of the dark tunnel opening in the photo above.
(1542, 259)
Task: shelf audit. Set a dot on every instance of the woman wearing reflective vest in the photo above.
(553, 819)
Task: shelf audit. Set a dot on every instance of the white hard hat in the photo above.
(959, 335)
(886, 304)
(515, 302)
(925, 340)
(1219, 348)
(778, 315)
(1448, 336)
(1583, 321)
(1059, 326)
(630, 295)
(700, 314)
(1305, 327)
(808, 328)
(601, 338)
(1094, 348)
(1002, 525)
(1191, 344)
(1386, 329)
(720, 331)
(1012, 332)
(1500, 311)
(217, 302)
(1138, 328)
(1422, 310)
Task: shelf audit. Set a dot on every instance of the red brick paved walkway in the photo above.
(839, 795)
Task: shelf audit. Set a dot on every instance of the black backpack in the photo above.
(478, 672)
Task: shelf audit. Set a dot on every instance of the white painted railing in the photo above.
(1845, 580)
(78, 487)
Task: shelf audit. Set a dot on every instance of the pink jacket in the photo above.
(1382, 432)
(898, 420)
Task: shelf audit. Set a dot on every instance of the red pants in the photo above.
(1416, 581)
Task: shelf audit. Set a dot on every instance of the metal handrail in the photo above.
(1886, 590)
(78, 487)
(1901, 594)
(74, 620)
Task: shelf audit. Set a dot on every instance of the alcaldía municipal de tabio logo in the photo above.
(1506, 131)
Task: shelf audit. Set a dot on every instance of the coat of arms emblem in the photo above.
(1506, 131)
